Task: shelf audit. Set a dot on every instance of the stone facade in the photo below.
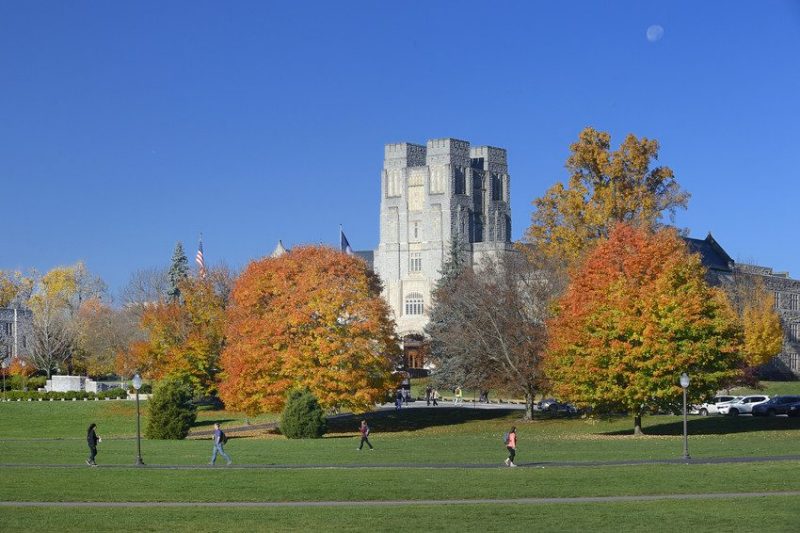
(724, 271)
(15, 330)
(431, 195)
(787, 303)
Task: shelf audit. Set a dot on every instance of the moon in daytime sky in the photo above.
(655, 33)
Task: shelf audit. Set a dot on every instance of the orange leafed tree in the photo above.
(185, 338)
(311, 318)
(637, 314)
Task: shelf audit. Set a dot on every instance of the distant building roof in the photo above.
(366, 255)
(279, 250)
(711, 253)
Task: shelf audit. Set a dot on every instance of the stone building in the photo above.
(447, 190)
(430, 196)
(15, 330)
(725, 272)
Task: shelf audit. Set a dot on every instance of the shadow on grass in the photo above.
(717, 425)
(418, 418)
(211, 421)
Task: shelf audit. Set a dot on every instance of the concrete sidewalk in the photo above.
(399, 503)
(329, 466)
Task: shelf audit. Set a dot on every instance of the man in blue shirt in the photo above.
(218, 444)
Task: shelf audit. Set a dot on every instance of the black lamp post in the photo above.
(685, 385)
(4, 365)
(137, 384)
(23, 364)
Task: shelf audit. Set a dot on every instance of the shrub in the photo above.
(116, 393)
(37, 382)
(171, 411)
(303, 418)
(146, 388)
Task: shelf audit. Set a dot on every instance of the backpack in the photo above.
(223, 438)
(506, 438)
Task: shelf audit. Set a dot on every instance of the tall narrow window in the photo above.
(415, 262)
(414, 304)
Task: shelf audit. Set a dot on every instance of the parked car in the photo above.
(777, 405)
(712, 406)
(555, 407)
(742, 406)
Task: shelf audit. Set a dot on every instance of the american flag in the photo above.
(201, 264)
(344, 245)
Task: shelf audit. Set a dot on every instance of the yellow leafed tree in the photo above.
(605, 187)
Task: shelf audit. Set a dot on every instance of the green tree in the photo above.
(303, 418)
(178, 272)
(605, 187)
(171, 411)
(638, 313)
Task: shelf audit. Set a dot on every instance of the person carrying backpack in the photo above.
(219, 441)
(510, 440)
(364, 429)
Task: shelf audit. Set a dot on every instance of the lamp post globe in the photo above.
(685, 385)
(137, 384)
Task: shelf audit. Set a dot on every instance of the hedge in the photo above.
(70, 395)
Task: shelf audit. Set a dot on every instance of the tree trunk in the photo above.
(529, 405)
(637, 424)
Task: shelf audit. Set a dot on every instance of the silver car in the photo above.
(742, 406)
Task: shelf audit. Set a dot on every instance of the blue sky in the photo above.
(127, 127)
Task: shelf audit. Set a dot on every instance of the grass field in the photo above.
(46, 434)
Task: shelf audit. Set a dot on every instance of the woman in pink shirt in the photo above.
(511, 446)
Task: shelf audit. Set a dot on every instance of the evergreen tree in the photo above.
(453, 265)
(171, 411)
(178, 271)
(303, 417)
(451, 371)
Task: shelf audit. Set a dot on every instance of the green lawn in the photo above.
(52, 433)
(114, 418)
(321, 484)
(776, 514)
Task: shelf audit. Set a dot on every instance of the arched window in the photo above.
(414, 304)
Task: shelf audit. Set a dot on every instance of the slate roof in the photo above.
(366, 255)
(711, 253)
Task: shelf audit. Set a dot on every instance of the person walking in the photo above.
(458, 396)
(435, 397)
(219, 440)
(364, 429)
(511, 446)
(92, 439)
(398, 399)
(428, 392)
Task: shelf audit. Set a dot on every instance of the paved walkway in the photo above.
(400, 503)
(331, 466)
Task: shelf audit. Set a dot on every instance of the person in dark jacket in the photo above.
(92, 439)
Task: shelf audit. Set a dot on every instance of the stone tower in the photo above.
(429, 195)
